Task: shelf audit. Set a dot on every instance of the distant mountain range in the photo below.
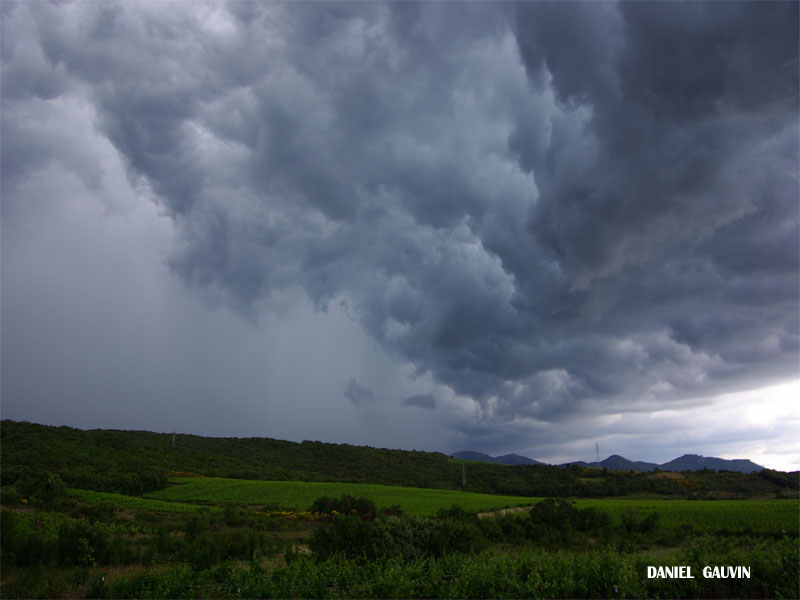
(508, 459)
(687, 462)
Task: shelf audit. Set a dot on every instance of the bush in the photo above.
(20, 548)
(10, 497)
(455, 536)
(395, 510)
(234, 516)
(43, 489)
(78, 545)
(345, 505)
(348, 536)
(408, 538)
(457, 513)
(631, 523)
(175, 583)
(195, 525)
(211, 548)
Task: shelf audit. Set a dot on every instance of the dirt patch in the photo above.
(504, 511)
(20, 509)
(127, 514)
(293, 535)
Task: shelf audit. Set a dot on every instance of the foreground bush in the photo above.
(527, 574)
(407, 538)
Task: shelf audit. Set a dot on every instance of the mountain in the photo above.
(687, 462)
(506, 459)
(516, 459)
(615, 462)
(695, 462)
(476, 456)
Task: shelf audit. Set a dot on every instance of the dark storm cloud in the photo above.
(357, 393)
(682, 101)
(668, 203)
(549, 208)
(421, 401)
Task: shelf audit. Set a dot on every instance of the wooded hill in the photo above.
(134, 462)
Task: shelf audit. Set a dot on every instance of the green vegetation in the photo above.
(558, 550)
(67, 531)
(526, 574)
(92, 536)
(294, 495)
(135, 462)
(734, 515)
(747, 516)
(138, 503)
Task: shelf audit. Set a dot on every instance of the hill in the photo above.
(694, 462)
(507, 459)
(615, 462)
(135, 462)
(132, 461)
(516, 459)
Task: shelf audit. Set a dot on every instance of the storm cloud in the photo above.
(550, 212)
(358, 394)
(421, 401)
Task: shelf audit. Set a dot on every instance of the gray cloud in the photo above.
(551, 209)
(421, 401)
(357, 393)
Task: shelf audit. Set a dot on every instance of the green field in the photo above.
(301, 494)
(759, 516)
(756, 516)
(137, 503)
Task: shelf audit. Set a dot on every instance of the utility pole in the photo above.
(597, 451)
(463, 475)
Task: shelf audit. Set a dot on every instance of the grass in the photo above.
(137, 503)
(759, 516)
(756, 516)
(301, 494)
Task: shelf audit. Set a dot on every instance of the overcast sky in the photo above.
(443, 226)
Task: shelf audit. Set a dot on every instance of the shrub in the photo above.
(348, 536)
(234, 516)
(195, 525)
(457, 513)
(393, 510)
(408, 538)
(345, 505)
(9, 496)
(42, 488)
(631, 523)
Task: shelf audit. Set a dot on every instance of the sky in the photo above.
(510, 228)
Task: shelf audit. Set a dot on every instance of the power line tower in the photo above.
(597, 451)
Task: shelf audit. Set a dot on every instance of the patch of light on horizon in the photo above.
(772, 406)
